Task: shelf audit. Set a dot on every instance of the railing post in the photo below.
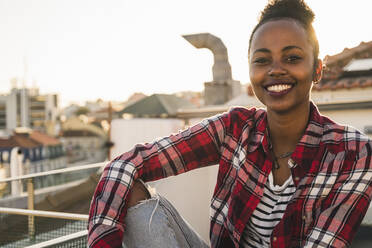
(30, 204)
(15, 165)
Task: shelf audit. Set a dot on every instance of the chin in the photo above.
(286, 107)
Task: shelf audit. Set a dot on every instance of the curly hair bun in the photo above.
(295, 9)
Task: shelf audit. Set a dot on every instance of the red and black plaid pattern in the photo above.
(331, 168)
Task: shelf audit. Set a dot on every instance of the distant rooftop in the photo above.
(348, 53)
(359, 65)
(350, 69)
(44, 138)
(344, 83)
(20, 141)
(27, 138)
(157, 105)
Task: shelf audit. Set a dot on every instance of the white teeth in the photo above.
(279, 87)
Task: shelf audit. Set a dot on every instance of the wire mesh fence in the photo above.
(16, 232)
(75, 243)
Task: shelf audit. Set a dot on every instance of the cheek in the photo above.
(257, 89)
(255, 75)
(307, 76)
(307, 72)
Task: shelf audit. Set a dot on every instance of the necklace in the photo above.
(272, 153)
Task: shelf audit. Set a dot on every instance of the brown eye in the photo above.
(261, 61)
(293, 59)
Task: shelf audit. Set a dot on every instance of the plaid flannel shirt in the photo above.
(331, 167)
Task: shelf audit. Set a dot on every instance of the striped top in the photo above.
(268, 213)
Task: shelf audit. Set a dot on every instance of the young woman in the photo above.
(288, 176)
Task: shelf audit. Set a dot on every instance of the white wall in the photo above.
(126, 133)
(190, 192)
(11, 111)
(342, 95)
(357, 118)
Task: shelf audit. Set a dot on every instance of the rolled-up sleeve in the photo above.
(195, 147)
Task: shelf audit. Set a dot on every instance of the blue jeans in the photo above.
(156, 223)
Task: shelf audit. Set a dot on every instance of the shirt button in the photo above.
(274, 239)
(297, 178)
(304, 217)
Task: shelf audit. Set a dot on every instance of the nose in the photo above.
(276, 69)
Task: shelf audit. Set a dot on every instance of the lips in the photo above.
(278, 88)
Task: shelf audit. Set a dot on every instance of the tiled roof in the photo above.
(28, 140)
(44, 138)
(157, 105)
(348, 53)
(344, 83)
(20, 141)
(348, 69)
(7, 142)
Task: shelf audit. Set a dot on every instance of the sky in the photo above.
(109, 49)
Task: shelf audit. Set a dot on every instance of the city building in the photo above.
(83, 142)
(3, 100)
(26, 107)
(38, 153)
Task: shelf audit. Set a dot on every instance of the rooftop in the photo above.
(348, 53)
(359, 65)
(44, 138)
(18, 140)
(344, 83)
(157, 105)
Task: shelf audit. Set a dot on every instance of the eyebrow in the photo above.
(265, 50)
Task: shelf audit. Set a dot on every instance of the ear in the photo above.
(318, 71)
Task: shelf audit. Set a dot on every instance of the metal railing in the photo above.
(42, 213)
(77, 239)
(31, 213)
(54, 172)
(56, 227)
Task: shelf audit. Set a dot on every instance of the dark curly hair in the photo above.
(297, 10)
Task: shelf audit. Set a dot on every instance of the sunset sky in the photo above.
(88, 49)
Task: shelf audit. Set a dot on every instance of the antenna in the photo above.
(13, 82)
(34, 83)
(25, 71)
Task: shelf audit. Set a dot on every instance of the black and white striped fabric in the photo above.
(268, 213)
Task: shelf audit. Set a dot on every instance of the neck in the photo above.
(286, 129)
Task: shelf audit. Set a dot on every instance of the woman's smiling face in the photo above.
(281, 63)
